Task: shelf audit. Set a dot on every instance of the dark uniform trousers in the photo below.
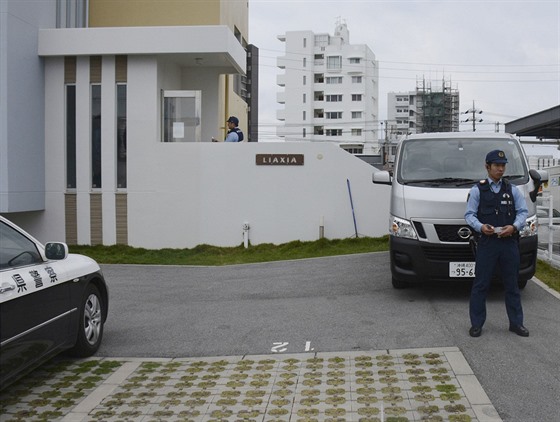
(503, 253)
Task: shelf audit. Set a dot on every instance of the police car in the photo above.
(50, 301)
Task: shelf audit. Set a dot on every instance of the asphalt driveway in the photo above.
(333, 305)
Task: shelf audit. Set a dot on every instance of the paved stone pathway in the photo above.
(435, 384)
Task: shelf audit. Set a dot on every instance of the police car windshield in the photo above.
(455, 162)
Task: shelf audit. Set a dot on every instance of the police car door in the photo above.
(34, 302)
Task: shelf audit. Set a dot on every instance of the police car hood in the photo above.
(77, 266)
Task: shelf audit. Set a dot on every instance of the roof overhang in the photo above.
(544, 124)
(201, 46)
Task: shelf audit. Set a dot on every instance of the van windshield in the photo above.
(456, 162)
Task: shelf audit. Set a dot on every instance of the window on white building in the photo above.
(304, 61)
(334, 62)
(334, 132)
(121, 136)
(356, 132)
(334, 80)
(304, 79)
(333, 114)
(356, 114)
(304, 115)
(181, 116)
(304, 98)
(355, 60)
(356, 79)
(71, 136)
(96, 136)
(356, 97)
(333, 98)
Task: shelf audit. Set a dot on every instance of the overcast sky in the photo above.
(504, 55)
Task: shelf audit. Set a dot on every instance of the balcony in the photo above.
(281, 62)
(281, 97)
(281, 115)
(281, 80)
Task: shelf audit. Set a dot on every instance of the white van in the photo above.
(431, 179)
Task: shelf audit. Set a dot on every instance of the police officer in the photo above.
(497, 210)
(234, 134)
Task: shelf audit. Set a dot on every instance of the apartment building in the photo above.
(329, 90)
(426, 109)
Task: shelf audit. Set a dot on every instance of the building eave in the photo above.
(206, 46)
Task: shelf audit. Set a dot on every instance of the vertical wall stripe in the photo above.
(120, 69)
(96, 218)
(121, 209)
(95, 69)
(71, 220)
(70, 69)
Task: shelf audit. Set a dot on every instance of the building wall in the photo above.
(234, 14)
(22, 164)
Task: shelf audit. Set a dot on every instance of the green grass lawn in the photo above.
(214, 255)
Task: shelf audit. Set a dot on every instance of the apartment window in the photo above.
(304, 115)
(319, 78)
(304, 98)
(334, 132)
(334, 62)
(121, 136)
(356, 114)
(355, 60)
(334, 80)
(356, 132)
(333, 114)
(356, 79)
(304, 42)
(356, 97)
(96, 136)
(304, 132)
(304, 79)
(304, 61)
(181, 116)
(334, 98)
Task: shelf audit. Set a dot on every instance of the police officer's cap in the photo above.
(496, 156)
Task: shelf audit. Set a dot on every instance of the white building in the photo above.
(330, 90)
(106, 134)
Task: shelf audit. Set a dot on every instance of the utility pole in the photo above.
(473, 119)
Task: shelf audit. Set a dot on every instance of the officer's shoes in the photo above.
(475, 331)
(520, 330)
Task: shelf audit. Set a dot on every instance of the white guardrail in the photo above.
(549, 231)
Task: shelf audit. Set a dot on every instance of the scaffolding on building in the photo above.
(437, 110)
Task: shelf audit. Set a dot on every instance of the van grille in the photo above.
(448, 233)
(448, 253)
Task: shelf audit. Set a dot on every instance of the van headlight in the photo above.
(402, 228)
(531, 227)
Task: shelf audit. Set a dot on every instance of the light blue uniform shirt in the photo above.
(521, 211)
(232, 137)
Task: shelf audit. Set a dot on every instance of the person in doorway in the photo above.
(234, 133)
(497, 210)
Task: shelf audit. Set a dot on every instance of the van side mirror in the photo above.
(382, 177)
(538, 178)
